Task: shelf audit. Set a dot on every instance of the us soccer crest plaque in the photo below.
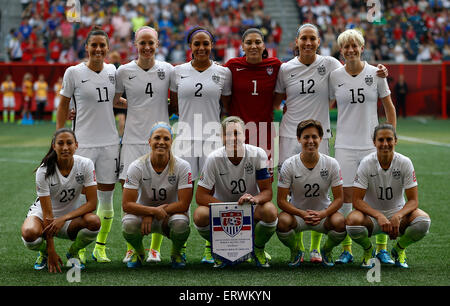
(231, 231)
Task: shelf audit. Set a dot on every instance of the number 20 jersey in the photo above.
(65, 191)
(93, 95)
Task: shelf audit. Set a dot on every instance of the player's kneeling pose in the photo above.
(156, 197)
(308, 177)
(381, 180)
(59, 181)
(237, 172)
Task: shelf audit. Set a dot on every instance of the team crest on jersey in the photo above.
(112, 79)
(161, 74)
(79, 177)
(172, 179)
(215, 78)
(369, 80)
(231, 221)
(396, 174)
(248, 168)
(321, 70)
(324, 173)
(269, 70)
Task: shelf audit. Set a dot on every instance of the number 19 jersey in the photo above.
(93, 95)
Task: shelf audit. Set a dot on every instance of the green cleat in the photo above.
(41, 261)
(178, 261)
(207, 257)
(135, 261)
(400, 258)
(367, 256)
(260, 258)
(296, 259)
(82, 255)
(75, 261)
(99, 254)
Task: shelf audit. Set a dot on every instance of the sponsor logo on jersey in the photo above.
(269, 70)
(396, 173)
(356, 180)
(79, 177)
(321, 70)
(248, 168)
(190, 177)
(161, 74)
(414, 176)
(172, 179)
(324, 173)
(112, 79)
(215, 78)
(369, 80)
(232, 222)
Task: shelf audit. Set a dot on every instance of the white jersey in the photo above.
(147, 98)
(357, 100)
(65, 191)
(231, 181)
(92, 94)
(307, 93)
(155, 188)
(385, 188)
(199, 99)
(310, 188)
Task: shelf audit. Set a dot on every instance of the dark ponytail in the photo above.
(97, 30)
(51, 158)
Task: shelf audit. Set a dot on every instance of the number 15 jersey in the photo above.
(93, 95)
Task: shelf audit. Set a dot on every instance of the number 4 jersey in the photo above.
(93, 95)
(357, 100)
(65, 191)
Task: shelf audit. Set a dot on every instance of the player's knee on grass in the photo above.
(268, 213)
(357, 231)
(30, 234)
(355, 218)
(179, 229)
(131, 226)
(284, 222)
(33, 245)
(418, 228)
(92, 222)
(337, 222)
(201, 216)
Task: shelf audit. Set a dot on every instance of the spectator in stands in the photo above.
(27, 95)
(41, 89)
(39, 52)
(401, 90)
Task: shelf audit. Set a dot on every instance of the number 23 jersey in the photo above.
(310, 188)
(93, 95)
(65, 191)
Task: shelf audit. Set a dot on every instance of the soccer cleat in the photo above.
(82, 255)
(41, 262)
(400, 258)
(219, 264)
(135, 261)
(384, 258)
(207, 257)
(183, 252)
(296, 259)
(344, 258)
(327, 261)
(315, 257)
(260, 258)
(153, 256)
(99, 254)
(75, 261)
(128, 256)
(367, 256)
(178, 261)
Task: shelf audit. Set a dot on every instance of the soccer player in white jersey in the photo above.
(195, 94)
(91, 86)
(146, 83)
(308, 177)
(156, 197)
(356, 89)
(304, 82)
(57, 211)
(237, 172)
(382, 179)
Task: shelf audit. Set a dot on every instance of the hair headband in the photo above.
(161, 125)
(200, 30)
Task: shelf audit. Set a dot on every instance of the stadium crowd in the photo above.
(413, 30)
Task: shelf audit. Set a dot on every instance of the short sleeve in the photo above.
(331, 92)
(68, 85)
(361, 177)
(227, 82)
(173, 85)
(134, 176)
(207, 176)
(280, 87)
(336, 176)
(119, 81)
(42, 185)
(409, 179)
(184, 175)
(89, 174)
(383, 87)
(284, 176)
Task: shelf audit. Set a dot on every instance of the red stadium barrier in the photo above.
(427, 83)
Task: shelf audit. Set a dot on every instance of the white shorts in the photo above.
(195, 153)
(156, 224)
(290, 146)
(36, 211)
(9, 102)
(349, 160)
(128, 154)
(388, 214)
(302, 226)
(106, 162)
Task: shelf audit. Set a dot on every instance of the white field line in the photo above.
(420, 140)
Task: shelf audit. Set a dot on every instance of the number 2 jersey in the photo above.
(155, 188)
(310, 188)
(64, 191)
(93, 95)
(357, 101)
(385, 188)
